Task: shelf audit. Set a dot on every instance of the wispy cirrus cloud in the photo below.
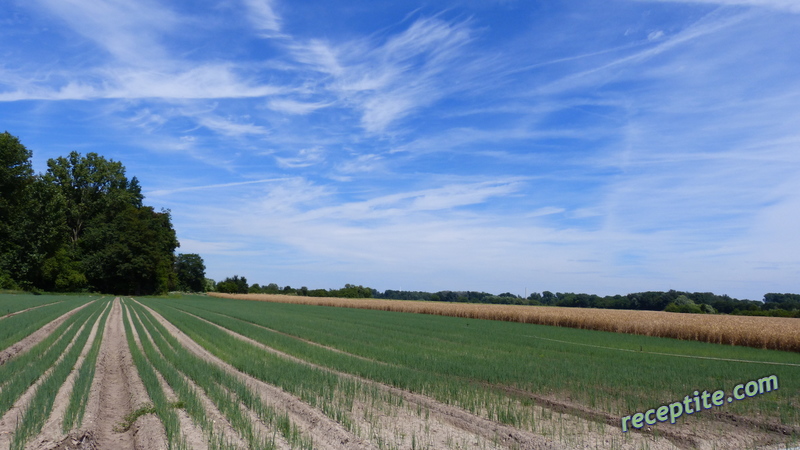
(164, 192)
(296, 107)
(262, 15)
(129, 32)
(231, 128)
(388, 80)
(781, 5)
(614, 149)
(303, 158)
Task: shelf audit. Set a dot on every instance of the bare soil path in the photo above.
(464, 420)
(51, 434)
(326, 433)
(28, 309)
(37, 336)
(8, 423)
(119, 392)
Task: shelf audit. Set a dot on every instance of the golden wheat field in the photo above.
(775, 333)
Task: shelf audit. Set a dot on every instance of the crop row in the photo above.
(473, 363)
(18, 326)
(79, 396)
(45, 366)
(10, 304)
(39, 408)
(332, 394)
(228, 394)
(19, 373)
(760, 332)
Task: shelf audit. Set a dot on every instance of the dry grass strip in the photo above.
(777, 333)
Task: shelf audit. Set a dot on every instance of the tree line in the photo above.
(774, 304)
(83, 226)
(238, 285)
(784, 305)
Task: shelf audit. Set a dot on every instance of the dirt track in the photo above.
(116, 392)
(37, 336)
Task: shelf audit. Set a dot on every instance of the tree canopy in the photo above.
(80, 226)
(191, 272)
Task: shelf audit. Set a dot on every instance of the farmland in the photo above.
(219, 373)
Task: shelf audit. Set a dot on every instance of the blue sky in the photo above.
(583, 146)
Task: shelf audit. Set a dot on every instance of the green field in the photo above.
(366, 371)
(472, 363)
(15, 327)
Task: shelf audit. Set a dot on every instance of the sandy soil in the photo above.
(117, 391)
(10, 419)
(51, 434)
(37, 336)
(326, 433)
(398, 419)
(27, 309)
(575, 426)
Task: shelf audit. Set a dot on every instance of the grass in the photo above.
(130, 419)
(464, 361)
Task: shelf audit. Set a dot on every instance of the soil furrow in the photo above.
(37, 336)
(27, 309)
(9, 421)
(119, 392)
(488, 429)
(326, 433)
(51, 434)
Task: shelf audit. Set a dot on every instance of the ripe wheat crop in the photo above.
(775, 333)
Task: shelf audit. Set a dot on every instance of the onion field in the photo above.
(198, 372)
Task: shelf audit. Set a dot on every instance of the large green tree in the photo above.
(80, 225)
(130, 251)
(190, 272)
(16, 174)
(93, 188)
(122, 246)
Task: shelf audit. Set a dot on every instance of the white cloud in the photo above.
(203, 81)
(128, 31)
(230, 128)
(261, 14)
(780, 5)
(389, 80)
(362, 164)
(304, 158)
(164, 192)
(200, 82)
(295, 107)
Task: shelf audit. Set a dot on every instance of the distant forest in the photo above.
(780, 305)
(82, 226)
